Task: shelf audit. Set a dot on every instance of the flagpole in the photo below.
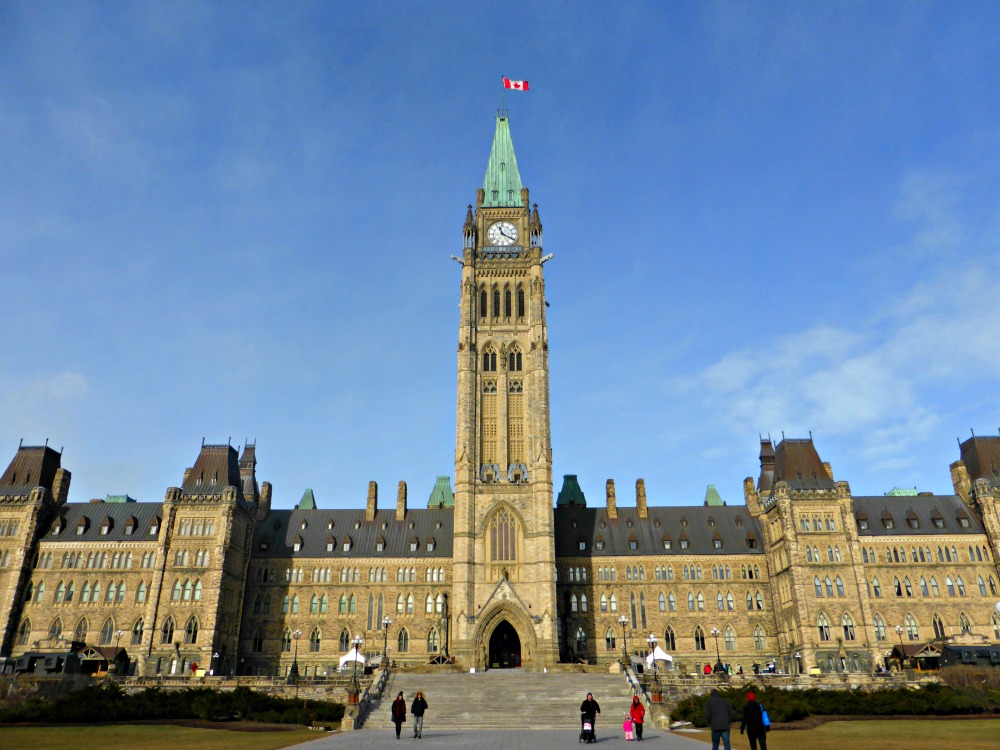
(503, 93)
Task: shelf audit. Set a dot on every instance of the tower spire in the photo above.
(502, 183)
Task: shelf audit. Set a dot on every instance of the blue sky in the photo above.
(234, 220)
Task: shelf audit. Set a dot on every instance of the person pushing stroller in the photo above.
(589, 711)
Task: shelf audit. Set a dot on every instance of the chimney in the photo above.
(372, 505)
(609, 489)
(640, 498)
(960, 480)
(264, 505)
(401, 501)
(60, 486)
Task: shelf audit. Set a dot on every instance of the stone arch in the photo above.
(505, 611)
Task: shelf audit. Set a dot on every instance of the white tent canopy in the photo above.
(350, 656)
(660, 655)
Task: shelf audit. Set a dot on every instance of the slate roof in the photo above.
(981, 456)
(216, 468)
(922, 509)
(281, 528)
(119, 513)
(32, 466)
(797, 463)
(574, 524)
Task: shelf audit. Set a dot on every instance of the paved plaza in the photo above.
(507, 739)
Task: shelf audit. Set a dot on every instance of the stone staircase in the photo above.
(505, 699)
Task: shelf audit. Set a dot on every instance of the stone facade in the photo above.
(803, 573)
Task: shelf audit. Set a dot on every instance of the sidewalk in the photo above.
(512, 739)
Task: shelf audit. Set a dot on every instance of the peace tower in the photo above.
(504, 596)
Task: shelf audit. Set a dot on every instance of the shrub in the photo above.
(108, 703)
(791, 705)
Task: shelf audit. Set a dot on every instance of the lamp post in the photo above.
(356, 642)
(623, 620)
(293, 673)
(798, 661)
(211, 667)
(718, 658)
(386, 622)
(113, 666)
(657, 695)
(899, 632)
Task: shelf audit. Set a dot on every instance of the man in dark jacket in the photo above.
(719, 715)
(417, 708)
(753, 722)
(591, 709)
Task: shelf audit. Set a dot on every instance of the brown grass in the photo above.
(149, 737)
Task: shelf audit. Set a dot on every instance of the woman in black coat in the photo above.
(753, 723)
(399, 712)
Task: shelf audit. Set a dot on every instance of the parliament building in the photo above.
(496, 569)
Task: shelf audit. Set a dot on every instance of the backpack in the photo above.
(765, 718)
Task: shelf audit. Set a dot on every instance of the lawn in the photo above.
(909, 734)
(148, 737)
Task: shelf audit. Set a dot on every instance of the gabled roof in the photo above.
(71, 514)
(699, 525)
(32, 466)
(275, 536)
(920, 508)
(502, 176)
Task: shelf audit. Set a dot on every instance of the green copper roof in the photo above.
(119, 499)
(502, 183)
(441, 495)
(571, 494)
(308, 501)
(712, 496)
(901, 492)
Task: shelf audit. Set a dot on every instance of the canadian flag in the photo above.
(518, 85)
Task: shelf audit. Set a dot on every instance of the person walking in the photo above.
(590, 710)
(399, 712)
(417, 708)
(637, 712)
(719, 715)
(753, 722)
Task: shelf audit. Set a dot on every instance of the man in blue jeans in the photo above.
(719, 715)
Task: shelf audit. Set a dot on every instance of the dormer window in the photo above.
(717, 543)
(347, 544)
(938, 522)
(59, 526)
(357, 524)
(263, 546)
(414, 544)
(684, 523)
(582, 545)
(297, 545)
(684, 543)
(329, 524)
(154, 526)
(380, 544)
(633, 543)
(711, 522)
(656, 523)
(130, 525)
(599, 545)
(431, 544)
(304, 525)
(82, 525)
(888, 521)
(751, 542)
(667, 543)
(963, 521)
(862, 521)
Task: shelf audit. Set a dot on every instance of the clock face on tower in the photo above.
(502, 233)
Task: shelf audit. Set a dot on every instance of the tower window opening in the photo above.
(520, 303)
(496, 302)
(507, 303)
(482, 303)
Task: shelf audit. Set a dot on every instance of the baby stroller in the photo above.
(587, 729)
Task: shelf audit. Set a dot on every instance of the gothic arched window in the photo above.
(503, 535)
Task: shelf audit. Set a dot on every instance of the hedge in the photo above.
(108, 703)
(791, 705)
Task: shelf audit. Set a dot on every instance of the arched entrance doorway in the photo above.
(505, 647)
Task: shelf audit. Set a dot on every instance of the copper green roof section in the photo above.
(712, 497)
(119, 499)
(308, 501)
(571, 493)
(902, 492)
(441, 495)
(502, 183)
